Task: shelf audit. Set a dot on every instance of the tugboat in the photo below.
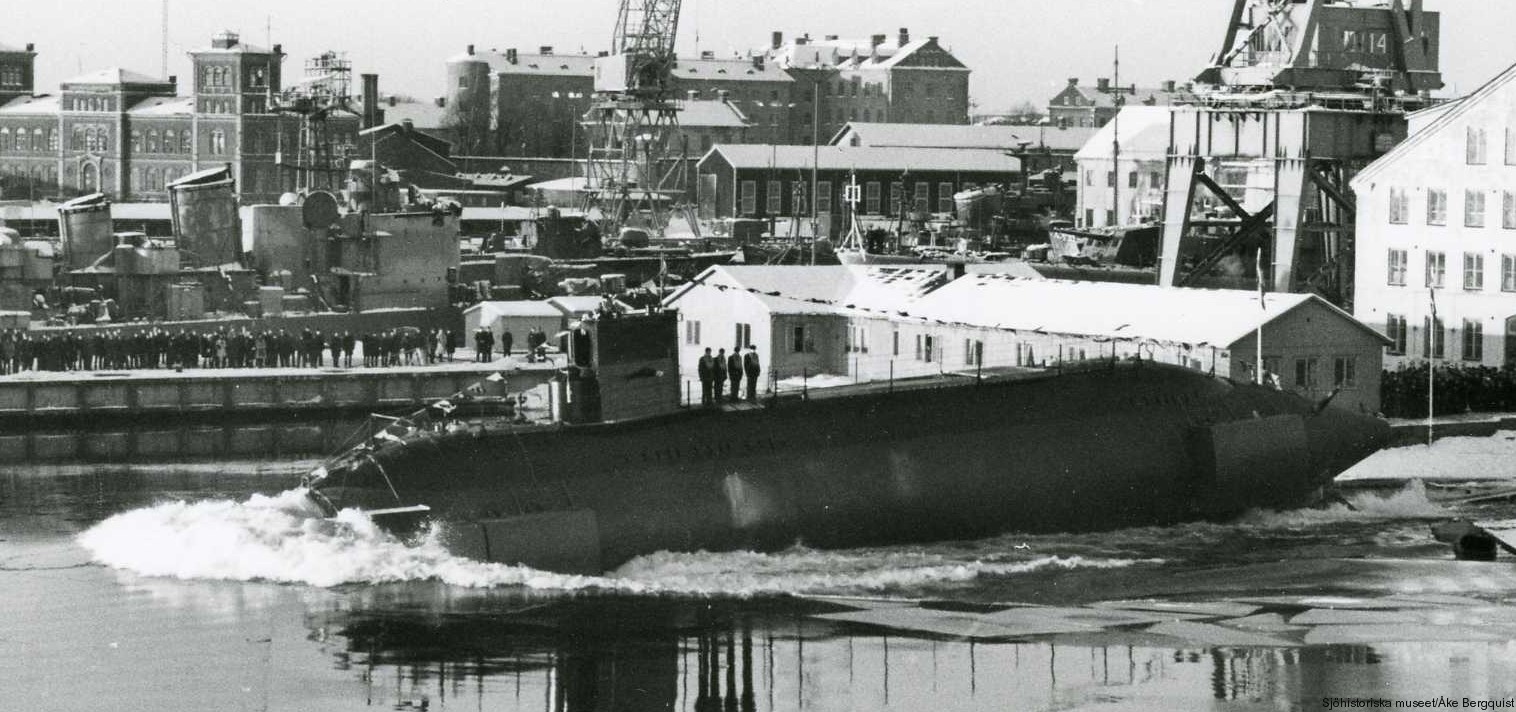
(622, 470)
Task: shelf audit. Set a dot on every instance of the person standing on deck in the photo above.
(734, 372)
(707, 369)
(719, 375)
(752, 368)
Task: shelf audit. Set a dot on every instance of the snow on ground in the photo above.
(1456, 458)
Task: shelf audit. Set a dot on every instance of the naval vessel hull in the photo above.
(1099, 448)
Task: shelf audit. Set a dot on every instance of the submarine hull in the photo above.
(1101, 448)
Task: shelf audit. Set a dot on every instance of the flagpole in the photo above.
(1433, 331)
(1258, 337)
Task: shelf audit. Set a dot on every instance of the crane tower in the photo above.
(631, 176)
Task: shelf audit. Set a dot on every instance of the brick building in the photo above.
(1082, 106)
(128, 135)
(516, 104)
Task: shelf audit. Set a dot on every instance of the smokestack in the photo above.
(905, 36)
(778, 40)
(1103, 84)
(370, 100)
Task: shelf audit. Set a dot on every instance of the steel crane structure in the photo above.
(316, 159)
(630, 175)
(1302, 95)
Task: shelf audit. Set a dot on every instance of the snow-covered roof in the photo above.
(827, 289)
(42, 104)
(490, 311)
(1214, 317)
(865, 158)
(1442, 120)
(164, 106)
(116, 75)
(1144, 135)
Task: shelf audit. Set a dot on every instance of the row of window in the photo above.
(1436, 270)
(1155, 178)
(1306, 371)
(221, 77)
(156, 180)
(97, 139)
(1476, 146)
(1434, 337)
(12, 76)
(169, 141)
(1437, 208)
(89, 103)
(36, 139)
(920, 197)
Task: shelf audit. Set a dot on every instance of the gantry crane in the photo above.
(631, 176)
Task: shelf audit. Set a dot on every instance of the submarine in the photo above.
(621, 469)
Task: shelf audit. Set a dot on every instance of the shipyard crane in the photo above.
(315, 155)
(631, 175)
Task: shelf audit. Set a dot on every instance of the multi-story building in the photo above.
(515, 104)
(1435, 221)
(1079, 105)
(1122, 170)
(882, 79)
(128, 135)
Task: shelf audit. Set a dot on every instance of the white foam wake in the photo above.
(1408, 502)
(285, 539)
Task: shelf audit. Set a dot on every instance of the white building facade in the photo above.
(1436, 224)
(1122, 170)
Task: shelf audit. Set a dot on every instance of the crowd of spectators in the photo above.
(1455, 389)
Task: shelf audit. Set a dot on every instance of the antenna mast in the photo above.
(163, 39)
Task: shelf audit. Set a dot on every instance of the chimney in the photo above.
(1169, 85)
(392, 100)
(876, 40)
(1073, 81)
(603, 53)
(441, 102)
(778, 40)
(279, 49)
(707, 54)
(545, 49)
(31, 47)
(831, 38)
(470, 50)
(758, 61)
(510, 55)
(802, 41)
(956, 269)
(905, 36)
(371, 100)
(173, 79)
(1103, 84)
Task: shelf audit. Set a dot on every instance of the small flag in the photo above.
(496, 377)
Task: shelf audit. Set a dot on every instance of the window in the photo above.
(742, 335)
(945, 198)
(897, 198)
(1089, 177)
(894, 343)
(1437, 267)
(1110, 179)
(774, 199)
(1473, 340)
(1435, 344)
(136, 140)
(1131, 179)
(153, 145)
(1473, 208)
(1305, 373)
(1508, 210)
(1400, 206)
(824, 197)
(871, 198)
(801, 340)
(749, 197)
(1437, 207)
(1155, 181)
(1397, 262)
(38, 143)
(1473, 271)
(52, 139)
(1510, 147)
(973, 352)
(185, 141)
(1394, 329)
(170, 143)
(923, 196)
(857, 340)
(1345, 372)
(218, 142)
(76, 143)
(1508, 273)
(1089, 217)
(1475, 149)
(1110, 217)
(924, 348)
(692, 333)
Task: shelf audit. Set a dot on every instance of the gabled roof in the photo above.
(574, 64)
(955, 136)
(1448, 118)
(115, 75)
(490, 311)
(442, 149)
(729, 69)
(1144, 134)
(1130, 96)
(164, 106)
(865, 158)
(1108, 310)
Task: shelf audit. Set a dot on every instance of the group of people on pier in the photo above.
(716, 370)
(235, 347)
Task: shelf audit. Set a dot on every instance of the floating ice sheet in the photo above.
(1214, 609)
(1264, 622)
(1353, 616)
(961, 625)
(1397, 633)
(1217, 636)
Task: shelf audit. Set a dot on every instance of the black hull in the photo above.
(1088, 450)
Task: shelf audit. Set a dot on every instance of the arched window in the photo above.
(152, 141)
(218, 142)
(52, 139)
(150, 180)
(89, 139)
(184, 142)
(38, 143)
(5, 137)
(170, 144)
(136, 140)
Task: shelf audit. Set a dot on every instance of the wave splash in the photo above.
(284, 538)
(1408, 502)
